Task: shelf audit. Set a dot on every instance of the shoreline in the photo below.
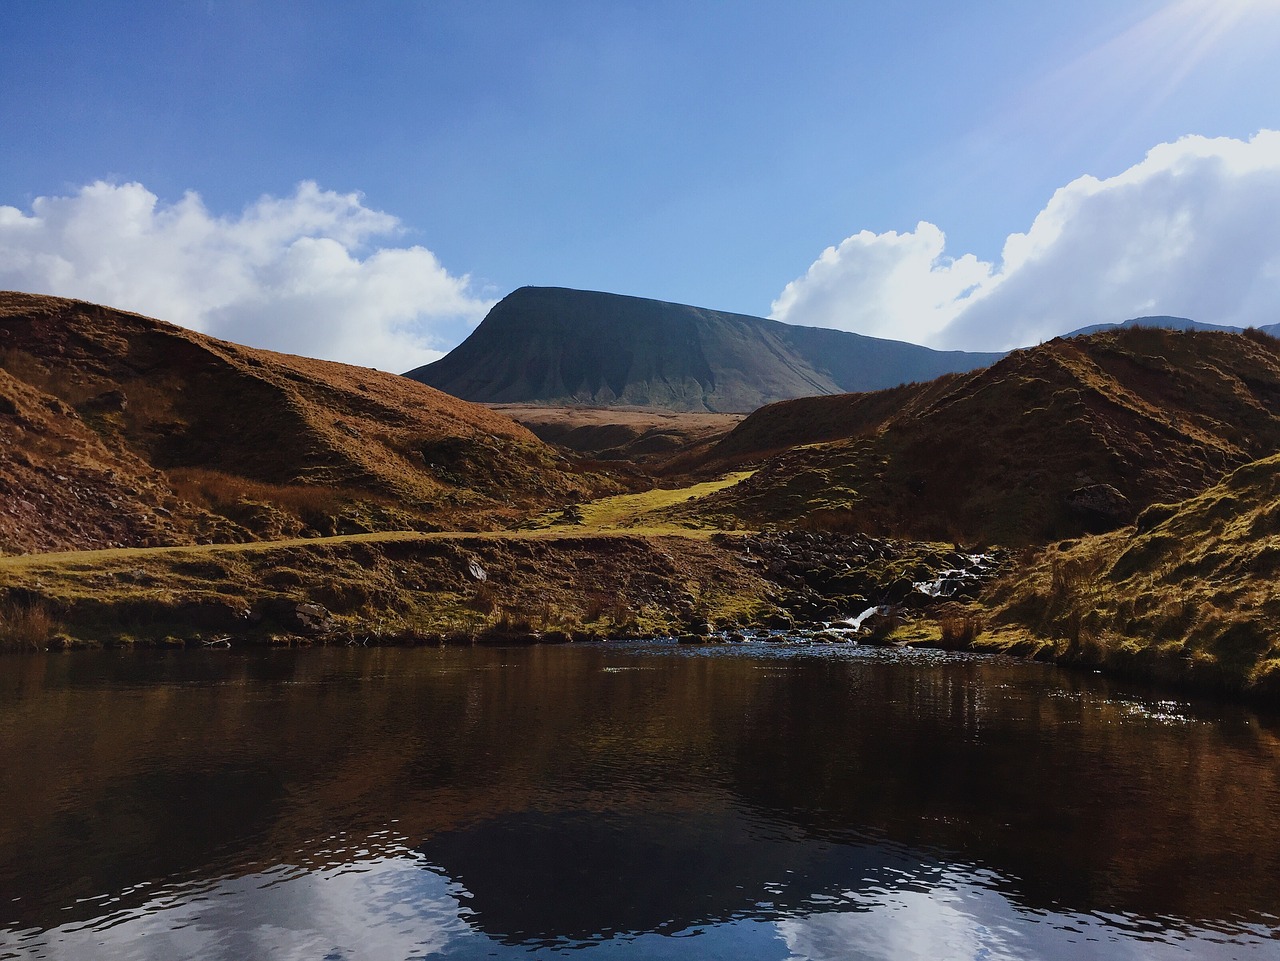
(562, 585)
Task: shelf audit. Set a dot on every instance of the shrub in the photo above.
(960, 630)
(26, 625)
(611, 608)
(484, 599)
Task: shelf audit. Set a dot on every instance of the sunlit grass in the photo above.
(640, 513)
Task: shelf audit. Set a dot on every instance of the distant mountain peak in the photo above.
(1156, 320)
(556, 345)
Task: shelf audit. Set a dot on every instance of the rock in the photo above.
(477, 572)
(107, 400)
(313, 619)
(1100, 507)
(780, 621)
(304, 617)
(899, 589)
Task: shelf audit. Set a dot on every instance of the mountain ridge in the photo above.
(1168, 322)
(1053, 441)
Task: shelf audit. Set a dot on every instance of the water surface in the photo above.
(637, 800)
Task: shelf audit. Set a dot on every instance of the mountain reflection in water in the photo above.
(770, 802)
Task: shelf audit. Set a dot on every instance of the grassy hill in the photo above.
(1188, 593)
(555, 346)
(118, 430)
(1054, 441)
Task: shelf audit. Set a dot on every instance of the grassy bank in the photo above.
(378, 587)
(1186, 595)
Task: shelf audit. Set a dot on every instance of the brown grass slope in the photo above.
(1187, 593)
(382, 587)
(995, 455)
(638, 435)
(120, 429)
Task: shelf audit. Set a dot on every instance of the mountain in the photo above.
(121, 430)
(1162, 321)
(552, 345)
(1071, 436)
(1169, 323)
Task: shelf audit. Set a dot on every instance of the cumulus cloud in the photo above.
(297, 274)
(887, 285)
(1191, 230)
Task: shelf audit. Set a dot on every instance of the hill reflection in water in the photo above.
(751, 802)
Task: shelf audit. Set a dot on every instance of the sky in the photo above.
(362, 182)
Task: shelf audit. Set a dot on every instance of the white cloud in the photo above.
(295, 274)
(1192, 230)
(887, 285)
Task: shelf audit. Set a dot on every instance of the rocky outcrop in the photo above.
(828, 576)
(1100, 507)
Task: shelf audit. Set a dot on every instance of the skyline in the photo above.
(361, 185)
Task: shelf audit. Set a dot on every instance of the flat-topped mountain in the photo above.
(552, 345)
(120, 430)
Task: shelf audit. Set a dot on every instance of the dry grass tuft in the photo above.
(221, 491)
(484, 599)
(959, 630)
(26, 625)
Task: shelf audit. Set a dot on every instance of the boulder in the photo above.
(107, 401)
(304, 617)
(1100, 507)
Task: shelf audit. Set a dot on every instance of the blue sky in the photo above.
(706, 153)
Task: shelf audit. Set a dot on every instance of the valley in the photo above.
(162, 488)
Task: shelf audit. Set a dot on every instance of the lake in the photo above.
(631, 800)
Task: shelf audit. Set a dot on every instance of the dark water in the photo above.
(631, 801)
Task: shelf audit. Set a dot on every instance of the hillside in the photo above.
(640, 435)
(120, 430)
(1187, 594)
(1071, 436)
(555, 346)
